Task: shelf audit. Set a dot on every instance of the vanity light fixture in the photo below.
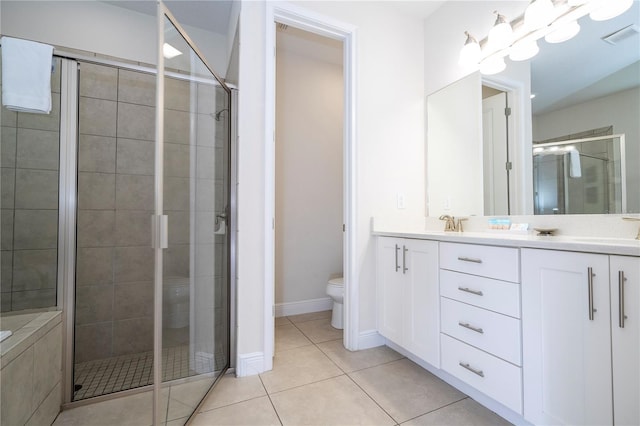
(471, 52)
(608, 9)
(563, 32)
(523, 50)
(501, 34)
(539, 14)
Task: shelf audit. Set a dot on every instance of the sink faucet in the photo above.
(459, 224)
(449, 224)
(637, 219)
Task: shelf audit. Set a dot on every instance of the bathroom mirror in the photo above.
(583, 88)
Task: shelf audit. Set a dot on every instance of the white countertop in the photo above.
(617, 246)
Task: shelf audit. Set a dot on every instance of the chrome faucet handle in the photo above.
(449, 224)
(458, 227)
(634, 219)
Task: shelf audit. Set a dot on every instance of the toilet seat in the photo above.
(337, 281)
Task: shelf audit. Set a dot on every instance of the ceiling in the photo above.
(586, 67)
(210, 15)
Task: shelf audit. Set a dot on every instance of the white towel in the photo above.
(26, 75)
(575, 171)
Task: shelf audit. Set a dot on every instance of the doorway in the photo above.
(308, 169)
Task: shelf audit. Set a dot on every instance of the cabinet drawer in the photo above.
(494, 377)
(487, 293)
(501, 263)
(494, 333)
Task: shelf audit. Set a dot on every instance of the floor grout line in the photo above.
(271, 401)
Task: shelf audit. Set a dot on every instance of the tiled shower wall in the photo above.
(114, 281)
(29, 154)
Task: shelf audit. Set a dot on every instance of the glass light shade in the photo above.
(563, 33)
(610, 9)
(539, 14)
(471, 52)
(501, 34)
(492, 65)
(524, 50)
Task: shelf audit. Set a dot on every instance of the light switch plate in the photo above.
(400, 200)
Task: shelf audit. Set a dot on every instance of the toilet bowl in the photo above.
(335, 290)
(175, 302)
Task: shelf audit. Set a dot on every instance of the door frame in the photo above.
(307, 20)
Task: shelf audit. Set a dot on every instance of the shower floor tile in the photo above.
(104, 376)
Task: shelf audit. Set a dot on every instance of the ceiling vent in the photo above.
(282, 27)
(622, 34)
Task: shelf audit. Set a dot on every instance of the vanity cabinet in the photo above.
(407, 287)
(571, 328)
(480, 319)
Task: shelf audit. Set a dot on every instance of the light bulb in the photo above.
(539, 14)
(501, 34)
(470, 53)
(492, 65)
(524, 50)
(563, 32)
(610, 9)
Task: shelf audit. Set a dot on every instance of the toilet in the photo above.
(335, 289)
(175, 302)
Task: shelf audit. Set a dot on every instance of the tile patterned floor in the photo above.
(315, 381)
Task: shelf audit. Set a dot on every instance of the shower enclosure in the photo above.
(117, 207)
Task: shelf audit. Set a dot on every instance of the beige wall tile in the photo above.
(33, 299)
(35, 269)
(49, 121)
(97, 154)
(35, 229)
(8, 188)
(93, 341)
(94, 266)
(5, 302)
(98, 81)
(177, 94)
(136, 121)
(203, 264)
(133, 299)
(97, 117)
(135, 157)
(207, 98)
(132, 335)
(6, 275)
(205, 162)
(38, 149)
(16, 405)
(177, 125)
(176, 193)
(46, 413)
(133, 264)
(134, 192)
(96, 228)
(176, 160)
(137, 88)
(47, 364)
(9, 118)
(96, 191)
(94, 304)
(8, 146)
(176, 260)
(36, 189)
(206, 196)
(178, 226)
(133, 227)
(206, 130)
(205, 226)
(6, 220)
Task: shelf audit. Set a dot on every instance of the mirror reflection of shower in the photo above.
(580, 176)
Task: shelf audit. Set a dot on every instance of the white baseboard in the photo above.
(303, 307)
(370, 339)
(250, 364)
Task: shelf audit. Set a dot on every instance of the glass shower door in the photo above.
(195, 272)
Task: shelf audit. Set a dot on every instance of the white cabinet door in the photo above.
(566, 338)
(421, 320)
(625, 337)
(390, 287)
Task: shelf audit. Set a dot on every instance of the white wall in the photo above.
(620, 110)
(390, 143)
(309, 116)
(102, 28)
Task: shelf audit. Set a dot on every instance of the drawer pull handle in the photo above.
(469, 259)
(473, 370)
(468, 290)
(397, 250)
(590, 276)
(404, 259)
(470, 327)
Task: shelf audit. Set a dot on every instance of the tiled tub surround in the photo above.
(31, 373)
(114, 269)
(29, 152)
